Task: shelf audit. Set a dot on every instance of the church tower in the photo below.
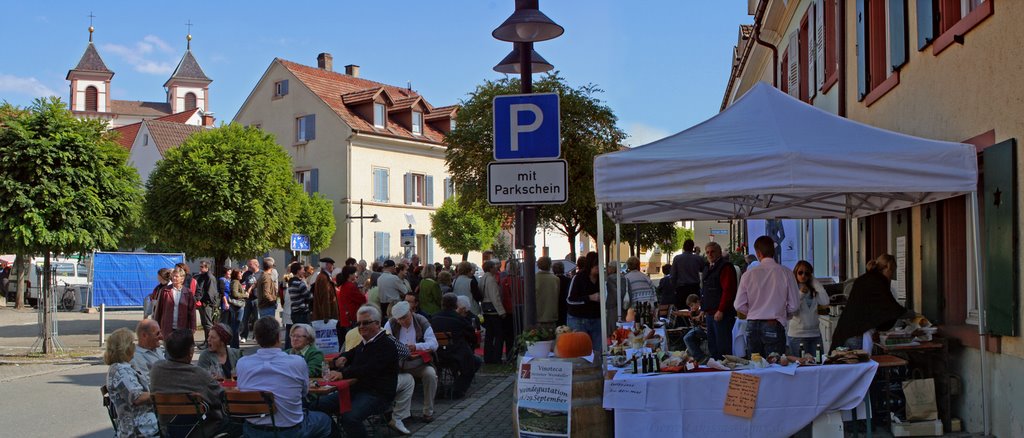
(188, 87)
(90, 84)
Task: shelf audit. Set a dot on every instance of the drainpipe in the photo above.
(841, 42)
(757, 38)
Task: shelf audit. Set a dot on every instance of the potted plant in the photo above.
(537, 341)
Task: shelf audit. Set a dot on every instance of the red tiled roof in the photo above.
(139, 108)
(364, 96)
(331, 87)
(405, 103)
(169, 135)
(181, 117)
(128, 134)
(441, 112)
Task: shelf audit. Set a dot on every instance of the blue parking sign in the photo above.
(526, 127)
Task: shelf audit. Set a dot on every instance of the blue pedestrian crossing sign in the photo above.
(526, 127)
(300, 242)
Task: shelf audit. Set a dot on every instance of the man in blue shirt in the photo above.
(287, 377)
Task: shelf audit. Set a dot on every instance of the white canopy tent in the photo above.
(771, 156)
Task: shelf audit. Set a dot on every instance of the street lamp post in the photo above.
(361, 217)
(524, 27)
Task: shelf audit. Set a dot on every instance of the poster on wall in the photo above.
(786, 233)
(544, 398)
(899, 284)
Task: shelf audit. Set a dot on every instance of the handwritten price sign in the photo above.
(741, 397)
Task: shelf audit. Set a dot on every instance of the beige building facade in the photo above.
(946, 70)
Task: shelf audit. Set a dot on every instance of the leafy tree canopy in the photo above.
(460, 230)
(65, 185)
(588, 129)
(316, 220)
(676, 242)
(227, 192)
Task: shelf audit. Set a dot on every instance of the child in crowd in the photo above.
(696, 335)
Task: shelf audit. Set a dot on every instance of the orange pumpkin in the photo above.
(574, 344)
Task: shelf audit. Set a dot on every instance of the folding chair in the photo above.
(111, 412)
(240, 405)
(446, 370)
(188, 411)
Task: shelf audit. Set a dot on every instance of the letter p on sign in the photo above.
(526, 127)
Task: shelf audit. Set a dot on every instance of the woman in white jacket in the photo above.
(804, 332)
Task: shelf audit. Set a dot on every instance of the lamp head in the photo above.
(510, 65)
(527, 26)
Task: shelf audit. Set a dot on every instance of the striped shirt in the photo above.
(301, 298)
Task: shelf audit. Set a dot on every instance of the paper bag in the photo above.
(326, 335)
(920, 394)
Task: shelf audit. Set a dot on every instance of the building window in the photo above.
(417, 123)
(947, 21)
(379, 115)
(827, 42)
(451, 125)
(419, 189)
(281, 88)
(305, 128)
(145, 139)
(91, 98)
(381, 246)
(380, 184)
(881, 47)
(803, 59)
(449, 188)
(190, 101)
(308, 180)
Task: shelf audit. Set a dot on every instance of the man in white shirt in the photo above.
(148, 350)
(391, 288)
(769, 296)
(287, 377)
(414, 331)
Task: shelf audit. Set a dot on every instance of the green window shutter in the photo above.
(428, 182)
(862, 51)
(925, 23)
(932, 302)
(1000, 236)
(897, 10)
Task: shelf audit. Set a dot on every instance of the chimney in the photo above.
(325, 61)
(352, 70)
(208, 119)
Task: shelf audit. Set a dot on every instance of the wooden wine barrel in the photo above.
(588, 418)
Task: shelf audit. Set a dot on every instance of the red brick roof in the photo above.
(332, 86)
(441, 112)
(169, 135)
(129, 132)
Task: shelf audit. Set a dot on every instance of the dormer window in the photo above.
(451, 126)
(379, 115)
(417, 123)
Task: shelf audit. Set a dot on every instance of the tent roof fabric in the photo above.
(772, 156)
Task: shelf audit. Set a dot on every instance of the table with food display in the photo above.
(656, 392)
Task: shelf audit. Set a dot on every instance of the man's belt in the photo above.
(766, 321)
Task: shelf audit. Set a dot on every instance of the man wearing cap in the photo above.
(325, 299)
(414, 331)
(391, 288)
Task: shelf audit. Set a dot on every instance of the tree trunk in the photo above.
(46, 297)
(218, 265)
(465, 256)
(20, 263)
(572, 246)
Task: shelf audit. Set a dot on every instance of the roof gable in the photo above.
(188, 69)
(340, 91)
(169, 135)
(128, 135)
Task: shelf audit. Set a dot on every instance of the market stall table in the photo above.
(691, 404)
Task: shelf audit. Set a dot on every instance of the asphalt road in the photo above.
(63, 403)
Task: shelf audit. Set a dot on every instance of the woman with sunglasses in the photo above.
(804, 333)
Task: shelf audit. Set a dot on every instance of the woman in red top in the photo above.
(349, 299)
(175, 306)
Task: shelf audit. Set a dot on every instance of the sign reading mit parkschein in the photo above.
(527, 183)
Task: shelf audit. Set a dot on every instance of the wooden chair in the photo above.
(446, 371)
(187, 411)
(240, 405)
(109, 406)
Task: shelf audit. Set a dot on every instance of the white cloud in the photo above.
(142, 55)
(29, 86)
(641, 134)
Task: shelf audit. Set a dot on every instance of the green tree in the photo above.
(587, 128)
(676, 242)
(228, 192)
(459, 230)
(65, 186)
(316, 220)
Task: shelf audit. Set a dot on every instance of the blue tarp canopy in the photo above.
(124, 279)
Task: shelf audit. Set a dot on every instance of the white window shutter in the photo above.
(409, 188)
(812, 57)
(819, 46)
(385, 178)
(386, 245)
(430, 249)
(428, 191)
(794, 64)
(377, 239)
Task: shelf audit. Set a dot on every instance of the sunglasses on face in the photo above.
(804, 272)
(366, 323)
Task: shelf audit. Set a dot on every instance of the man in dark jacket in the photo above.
(208, 294)
(178, 375)
(374, 363)
(460, 336)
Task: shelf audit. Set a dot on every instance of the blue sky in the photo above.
(662, 63)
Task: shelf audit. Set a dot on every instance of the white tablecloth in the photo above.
(684, 405)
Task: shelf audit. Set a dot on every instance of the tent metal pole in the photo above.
(618, 267)
(851, 264)
(603, 286)
(980, 299)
